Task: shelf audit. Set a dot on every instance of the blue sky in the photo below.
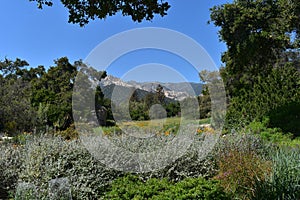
(41, 36)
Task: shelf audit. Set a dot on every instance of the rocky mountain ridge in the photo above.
(174, 91)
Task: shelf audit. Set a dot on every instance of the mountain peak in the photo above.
(175, 91)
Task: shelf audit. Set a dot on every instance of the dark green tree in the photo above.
(263, 41)
(275, 96)
(258, 33)
(160, 94)
(138, 111)
(150, 99)
(173, 109)
(52, 94)
(16, 113)
(82, 11)
(204, 98)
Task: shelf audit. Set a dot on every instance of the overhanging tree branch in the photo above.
(82, 11)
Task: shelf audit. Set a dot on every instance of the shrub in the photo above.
(25, 191)
(278, 89)
(46, 159)
(241, 162)
(198, 160)
(131, 187)
(286, 118)
(239, 171)
(21, 139)
(190, 164)
(10, 166)
(69, 133)
(195, 188)
(273, 135)
(242, 142)
(284, 180)
(50, 158)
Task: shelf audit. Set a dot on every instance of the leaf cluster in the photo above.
(81, 12)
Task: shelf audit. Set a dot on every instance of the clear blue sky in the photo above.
(40, 36)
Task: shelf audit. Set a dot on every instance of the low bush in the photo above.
(10, 166)
(50, 158)
(190, 164)
(131, 187)
(239, 171)
(241, 162)
(68, 134)
(47, 159)
(273, 135)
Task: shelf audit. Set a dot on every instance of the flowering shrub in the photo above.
(205, 129)
(69, 133)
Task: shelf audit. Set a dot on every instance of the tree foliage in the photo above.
(16, 114)
(274, 92)
(34, 99)
(140, 107)
(258, 33)
(52, 92)
(263, 41)
(81, 12)
(88, 99)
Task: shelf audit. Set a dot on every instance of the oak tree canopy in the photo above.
(82, 11)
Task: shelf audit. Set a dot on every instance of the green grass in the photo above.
(157, 125)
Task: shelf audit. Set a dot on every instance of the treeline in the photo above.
(141, 108)
(36, 99)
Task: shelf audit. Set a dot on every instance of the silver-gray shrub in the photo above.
(52, 158)
(243, 143)
(48, 159)
(10, 163)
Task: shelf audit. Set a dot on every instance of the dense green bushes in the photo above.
(276, 95)
(131, 187)
(287, 118)
(274, 135)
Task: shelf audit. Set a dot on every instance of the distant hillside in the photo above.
(173, 91)
(122, 91)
